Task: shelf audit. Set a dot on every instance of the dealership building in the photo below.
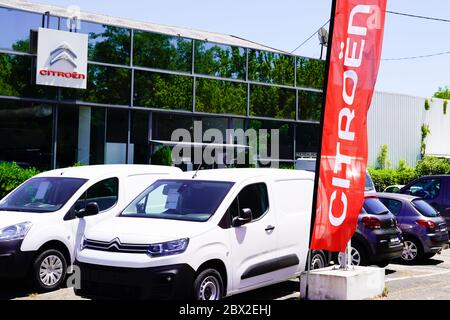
(142, 81)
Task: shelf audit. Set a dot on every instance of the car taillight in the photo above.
(371, 223)
(426, 224)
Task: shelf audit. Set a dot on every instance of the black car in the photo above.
(378, 239)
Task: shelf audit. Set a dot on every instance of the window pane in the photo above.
(309, 105)
(160, 51)
(271, 67)
(216, 96)
(164, 91)
(186, 200)
(425, 209)
(97, 136)
(106, 85)
(28, 128)
(272, 102)
(286, 138)
(310, 73)
(165, 124)
(104, 193)
(394, 206)
(42, 195)
(17, 78)
(139, 137)
(255, 198)
(68, 129)
(106, 43)
(220, 60)
(307, 139)
(117, 125)
(429, 189)
(218, 123)
(374, 206)
(116, 136)
(81, 135)
(16, 26)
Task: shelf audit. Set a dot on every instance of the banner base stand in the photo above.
(356, 283)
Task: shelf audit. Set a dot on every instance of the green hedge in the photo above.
(11, 176)
(382, 178)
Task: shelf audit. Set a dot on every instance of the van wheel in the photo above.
(208, 285)
(318, 260)
(49, 270)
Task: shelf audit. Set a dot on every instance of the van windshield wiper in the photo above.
(11, 210)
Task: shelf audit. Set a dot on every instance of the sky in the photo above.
(284, 24)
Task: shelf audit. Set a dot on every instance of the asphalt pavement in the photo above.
(429, 280)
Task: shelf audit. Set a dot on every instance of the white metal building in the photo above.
(396, 120)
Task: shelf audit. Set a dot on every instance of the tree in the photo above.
(382, 159)
(443, 93)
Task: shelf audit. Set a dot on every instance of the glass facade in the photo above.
(141, 87)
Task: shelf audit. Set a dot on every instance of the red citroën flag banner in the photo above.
(353, 62)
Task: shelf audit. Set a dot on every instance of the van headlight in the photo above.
(15, 232)
(168, 248)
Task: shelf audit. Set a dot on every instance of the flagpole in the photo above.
(319, 153)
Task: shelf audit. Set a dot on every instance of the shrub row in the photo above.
(11, 176)
(383, 178)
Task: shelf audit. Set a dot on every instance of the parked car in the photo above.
(204, 237)
(393, 189)
(370, 186)
(42, 222)
(435, 190)
(424, 230)
(377, 239)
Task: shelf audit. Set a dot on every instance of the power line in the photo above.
(394, 13)
(315, 32)
(417, 57)
(417, 16)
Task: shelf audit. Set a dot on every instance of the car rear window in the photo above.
(425, 209)
(374, 206)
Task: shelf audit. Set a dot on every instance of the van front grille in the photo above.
(115, 246)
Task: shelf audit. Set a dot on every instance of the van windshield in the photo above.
(187, 200)
(41, 195)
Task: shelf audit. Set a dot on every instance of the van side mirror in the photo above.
(245, 217)
(91, 209)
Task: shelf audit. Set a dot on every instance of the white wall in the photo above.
(438, 142)
(396, 120)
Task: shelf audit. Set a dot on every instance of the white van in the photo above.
(204, 236)
(43, 221)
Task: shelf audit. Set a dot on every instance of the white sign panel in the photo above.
(62, 59)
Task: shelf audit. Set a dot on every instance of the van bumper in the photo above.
(172, 282)
(14, 263)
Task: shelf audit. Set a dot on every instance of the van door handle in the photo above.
(270, 228)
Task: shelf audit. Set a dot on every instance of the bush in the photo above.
(163, 157)
(382, 178)
(11, 176)
(431, 165)
(427, 105)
